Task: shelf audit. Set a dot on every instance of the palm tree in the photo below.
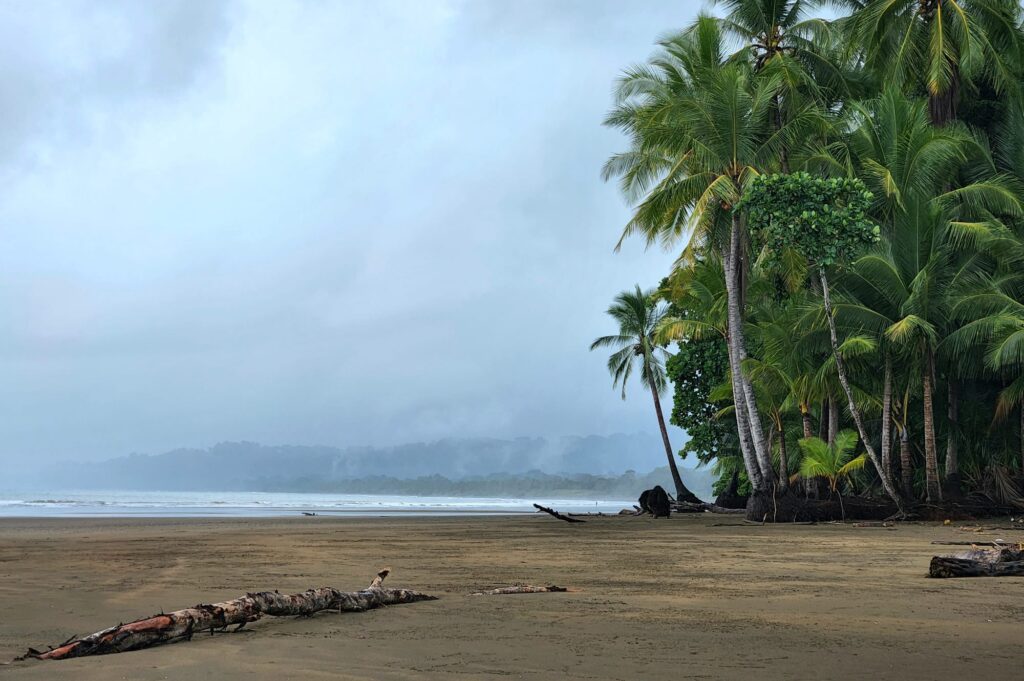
(778, 39)
(832, 462)
(638, 315)
(904, 286)
(938, 46)
(700, 130)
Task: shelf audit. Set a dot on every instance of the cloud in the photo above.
(306, 222)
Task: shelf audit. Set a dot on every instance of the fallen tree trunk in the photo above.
(999, 561)
(183, 624)
(521, 589)
(687, 507)
(556, 514)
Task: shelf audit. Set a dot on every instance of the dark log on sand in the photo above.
(521, 589)
(556, 514)
(972, 543)
(687, 507)
(183, 624)
(999, 561)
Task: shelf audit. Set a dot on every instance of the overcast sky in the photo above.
(311, 222)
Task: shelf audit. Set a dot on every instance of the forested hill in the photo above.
(533, 485)
(246, 465)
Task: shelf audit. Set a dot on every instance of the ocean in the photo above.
(119, 504)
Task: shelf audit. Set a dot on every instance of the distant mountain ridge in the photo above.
(251, 466)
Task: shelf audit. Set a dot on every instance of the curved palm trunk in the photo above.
(740, 411)
(738, 353)
(682, 493)
(887, 418)
(742, 424)
(933, 488)
(854, 411)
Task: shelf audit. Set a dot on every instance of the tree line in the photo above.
(846, 197)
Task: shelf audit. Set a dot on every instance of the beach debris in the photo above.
(556, 514)
(310, 513)
(183, 624)
(1001, 560)
(522, 589)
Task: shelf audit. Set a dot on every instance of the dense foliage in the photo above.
(824, 219)
(847, 199)
(695, 370)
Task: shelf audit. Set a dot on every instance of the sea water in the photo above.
(266, 504)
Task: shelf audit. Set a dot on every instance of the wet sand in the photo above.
(694, 597)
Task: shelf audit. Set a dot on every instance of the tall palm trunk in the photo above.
(952, 484)
(783, 152)
(735, 293)
(783, 459)
(931, 458)
(823, 422)
(682, 493)
(887, 417)
(854, 411)
(805, 416)
(906, 470)
(942, 105)
(1022, 437)
(833, 420)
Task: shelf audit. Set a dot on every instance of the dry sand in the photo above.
(686, 598)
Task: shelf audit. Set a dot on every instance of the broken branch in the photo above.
(553, 512)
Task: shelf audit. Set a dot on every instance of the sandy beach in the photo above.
(694, 597)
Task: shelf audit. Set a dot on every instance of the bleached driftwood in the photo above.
(520, 589)
(183, 624)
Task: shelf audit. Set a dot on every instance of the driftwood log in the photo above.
(183, 624)
(999, 561)
(686, 507)
(556, 514)
(521, 589)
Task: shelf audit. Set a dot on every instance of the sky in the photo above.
(305, 222)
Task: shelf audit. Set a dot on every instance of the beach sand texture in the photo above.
(693, 597)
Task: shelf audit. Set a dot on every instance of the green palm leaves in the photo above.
(940, 46)
(638, 317)
(832, 462)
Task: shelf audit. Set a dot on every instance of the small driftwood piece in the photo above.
(556, 514)
(183, 624)
(999, 561)
(521, 589)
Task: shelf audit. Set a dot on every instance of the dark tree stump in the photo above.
(658, 503)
